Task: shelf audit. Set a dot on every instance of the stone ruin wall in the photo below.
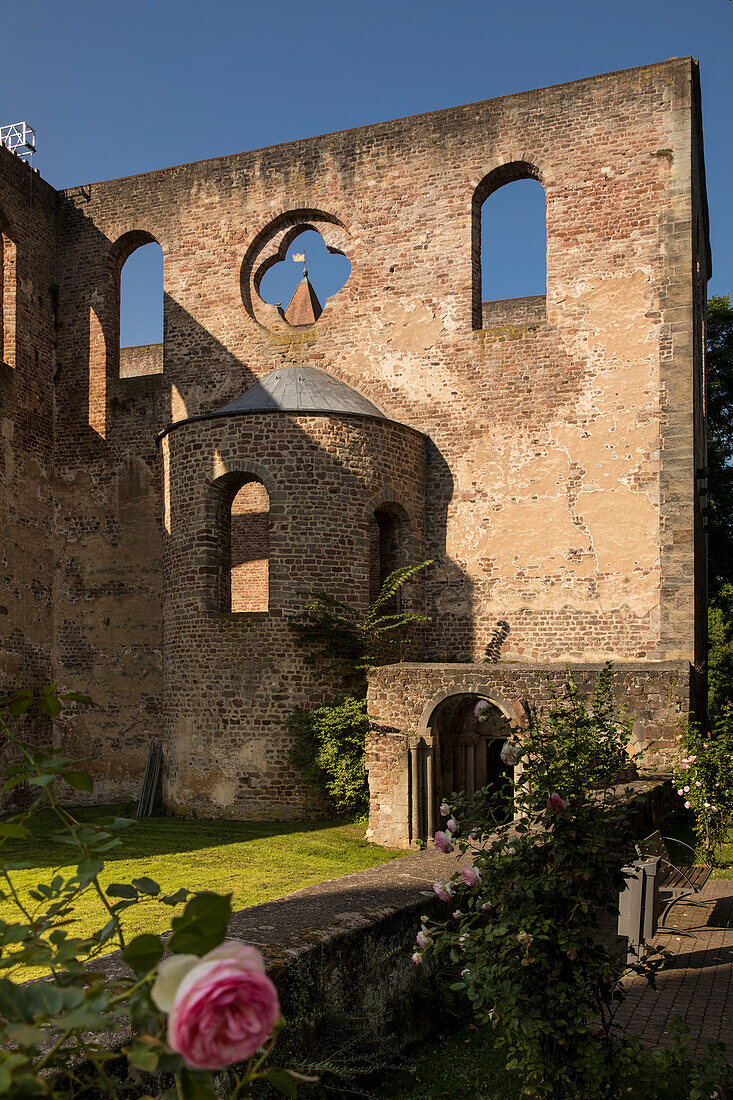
(231, 679)
(27, 278)
(560, 480)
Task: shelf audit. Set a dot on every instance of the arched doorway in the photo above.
(469, 748)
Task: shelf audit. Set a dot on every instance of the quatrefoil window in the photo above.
(302, 276)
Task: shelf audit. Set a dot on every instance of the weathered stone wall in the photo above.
(565, 431)
(27, 213)
(232, 678)
(407, 697)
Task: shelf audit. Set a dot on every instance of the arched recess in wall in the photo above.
(509, 246)
(390, 548)
(137, 261)
(242, 507)
(8, 294)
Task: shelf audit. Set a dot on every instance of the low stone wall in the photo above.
(404, 698)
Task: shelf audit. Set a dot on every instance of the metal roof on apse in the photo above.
(301, 390)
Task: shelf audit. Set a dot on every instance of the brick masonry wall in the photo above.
(232, 678)
(407, 698)
(27, 213)
(564, 442)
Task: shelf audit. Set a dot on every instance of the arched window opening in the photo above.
(248, 557)
(141, 311)
(389, 549)
(8, 299)
(510, 247)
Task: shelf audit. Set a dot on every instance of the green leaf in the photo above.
(14, 1002)
(281, 1080)
(143, 953)
(42, 780)
(88, 870)
(202, 925)
(121, 890)
(14, 830)
(19, 702)
(73, 697)
(80, 781)
(49, 704)
(197, 1085)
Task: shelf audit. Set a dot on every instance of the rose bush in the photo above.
(704, 780)
(521, 940)
(207, 1006)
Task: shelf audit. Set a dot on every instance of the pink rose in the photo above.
(451, 825)
(416, 958)
(471, 876)
(688, 805)
(481, 706)
(444, 809)
(221, 1007)
(556, 803)
(443, 841)
(443, 889)
(423, 939)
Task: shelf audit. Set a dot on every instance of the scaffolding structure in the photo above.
(19, 138)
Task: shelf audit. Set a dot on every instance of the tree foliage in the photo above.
(720, 443)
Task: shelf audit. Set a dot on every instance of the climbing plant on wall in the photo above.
(345, 642)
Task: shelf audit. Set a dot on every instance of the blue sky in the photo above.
(116, 89)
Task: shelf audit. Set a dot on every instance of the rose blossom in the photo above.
(457, 914)
(423, 939)
(443, 889)
(511, 851)
(688, 805)
(451, 825)
(221, 1007)
(417, 958)
(444, 809)
(481, 706)
(443, 841)
(556, 803)
(471, 876)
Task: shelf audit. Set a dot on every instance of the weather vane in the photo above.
(299, 258)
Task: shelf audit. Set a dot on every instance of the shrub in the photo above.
(523, 938)
(329, 752)
(57, 1035)
(704, 778)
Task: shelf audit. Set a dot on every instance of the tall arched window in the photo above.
(390, 548)
(8, 295)
(509, 246)
(249, 542)
(141, 311)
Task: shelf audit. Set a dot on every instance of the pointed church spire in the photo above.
(304, 307)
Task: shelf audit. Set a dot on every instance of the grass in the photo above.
(254, 861)
(464, 1063)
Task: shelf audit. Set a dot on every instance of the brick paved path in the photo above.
(699, 984)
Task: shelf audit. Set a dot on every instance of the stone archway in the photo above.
(467, 748)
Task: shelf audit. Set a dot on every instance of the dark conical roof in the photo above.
(301, 390)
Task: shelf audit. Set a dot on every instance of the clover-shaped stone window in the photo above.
(302, 276)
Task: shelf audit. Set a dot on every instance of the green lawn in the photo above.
(254, 861)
